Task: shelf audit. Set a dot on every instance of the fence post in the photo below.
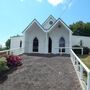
(81, 72)
(82, 51)
(74, 60)
(88, 81)
(71, 55)
(61, 51)
(77, 65)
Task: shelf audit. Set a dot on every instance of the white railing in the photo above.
(16, 51)
(79, 49)
(60, 49)
(81, 70)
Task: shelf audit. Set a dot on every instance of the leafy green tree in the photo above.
(80, 28)
(8, 44)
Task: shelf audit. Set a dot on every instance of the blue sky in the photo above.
(15, 15)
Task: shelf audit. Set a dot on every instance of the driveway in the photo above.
(42, 73)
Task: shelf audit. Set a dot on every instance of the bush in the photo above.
(78, 51)
(86, 50)
(3, 64)
(13, 61)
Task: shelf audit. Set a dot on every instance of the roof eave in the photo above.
(34, 21)
(60, 20)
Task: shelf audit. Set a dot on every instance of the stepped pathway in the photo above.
(43, 73)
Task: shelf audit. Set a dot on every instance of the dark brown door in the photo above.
(49, 45)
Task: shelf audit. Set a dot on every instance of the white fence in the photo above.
(81, 70)
(60, 49)
(13, 51)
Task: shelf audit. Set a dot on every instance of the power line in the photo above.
(67, 6)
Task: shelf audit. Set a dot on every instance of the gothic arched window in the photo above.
(35, 45)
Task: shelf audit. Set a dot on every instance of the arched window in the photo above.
(20, 44)
(35, 45)
(62, 44)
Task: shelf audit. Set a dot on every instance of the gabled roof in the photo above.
(62, 22)
(34, 21)
(48, 19)
(41, 26)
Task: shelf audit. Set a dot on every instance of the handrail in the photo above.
(80, 72)
(70, 49)
(85, 67)
(13, 50)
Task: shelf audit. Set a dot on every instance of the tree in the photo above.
(80, 28)
(8, 44)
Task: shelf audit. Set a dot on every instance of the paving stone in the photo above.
(43, 73)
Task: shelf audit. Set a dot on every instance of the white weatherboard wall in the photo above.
(55, 34)
(46, 25)
(34, 31)
(15, 44)
(85, 40)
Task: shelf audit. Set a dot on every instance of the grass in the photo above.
(86, 60)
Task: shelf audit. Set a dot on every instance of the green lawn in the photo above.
(86, 60)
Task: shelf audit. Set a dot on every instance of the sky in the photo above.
(15, 15)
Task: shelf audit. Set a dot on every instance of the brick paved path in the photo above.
(42, 73)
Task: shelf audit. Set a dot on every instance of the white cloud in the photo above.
(65, 3)
(40, 1)
(21, 0)
(55, 2)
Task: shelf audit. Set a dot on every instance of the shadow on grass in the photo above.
(83, 56)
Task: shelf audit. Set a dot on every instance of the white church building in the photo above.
(50, 37)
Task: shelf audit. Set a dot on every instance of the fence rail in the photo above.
(60, 49)
(82, 71)
(16, 51)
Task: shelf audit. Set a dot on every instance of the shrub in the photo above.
(3, 64)
(86, 50)
(78, 51)
(13, 60)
